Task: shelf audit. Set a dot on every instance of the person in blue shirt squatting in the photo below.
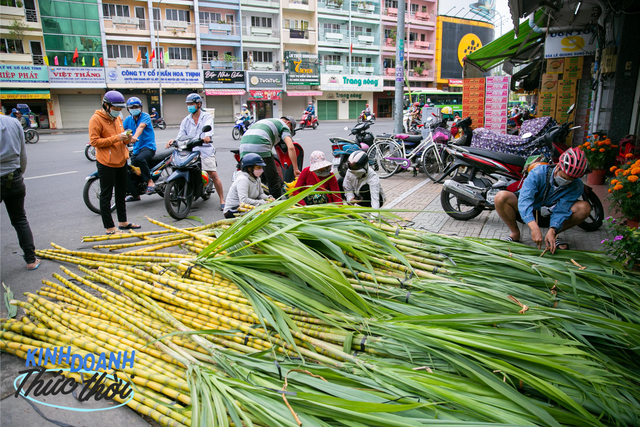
(552, 191)
(144, 145)
(191, 127)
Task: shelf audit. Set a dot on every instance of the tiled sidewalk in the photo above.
(427, 214)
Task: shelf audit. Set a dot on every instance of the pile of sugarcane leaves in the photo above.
(331, 315)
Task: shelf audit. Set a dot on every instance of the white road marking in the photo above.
(407, 194)
(328, 134)
(81, 151)
(54, 139)
(53, 174)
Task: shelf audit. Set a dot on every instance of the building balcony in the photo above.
(333, 67)
(301, 37)
(363, 39)
(425, 75)
(220, 4)
(17, 58)
(358, 68)
(227, 33)
(130, 26)
(340, 38)
(274, 4)
(365, 8)
(131, 63)
(28, 17)
(421, 18)
(420, 46)
(332, 7)
(260, 35)
(305, 5)
(227, 65)
(264, 66)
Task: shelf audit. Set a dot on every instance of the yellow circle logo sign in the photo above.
(469, 44)
(572, 43)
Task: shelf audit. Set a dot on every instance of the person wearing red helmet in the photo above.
(552, 190)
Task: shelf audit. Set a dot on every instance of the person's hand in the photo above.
(536, 236)
(123, 137)
(271, 199)
(296, 172)
(355, 201)
(206, 139)
(550, 240)
(134, 139)
(169, 143)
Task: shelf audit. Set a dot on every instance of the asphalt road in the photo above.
(55, 178)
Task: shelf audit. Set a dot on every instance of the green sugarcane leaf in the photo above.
(12, 310)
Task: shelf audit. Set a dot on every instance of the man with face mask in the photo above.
(552, 190)
(144, 144)
(191, 127)
(361, 183)
(107, 134)
(247, 187)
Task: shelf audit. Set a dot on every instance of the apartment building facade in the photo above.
(276, 55)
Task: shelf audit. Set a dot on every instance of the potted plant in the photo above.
(417, 72)
(391, 40)
(625, 246)
(600, 153)
(424, 9)
(624, 190)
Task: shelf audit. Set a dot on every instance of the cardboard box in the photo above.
(497, 92)
(555, 65)
(564, 104)
(574, 63)
(495, 120)
(549, 83)
(473, 107)
(493, 112)
(566, 95)
(546, 111)
(548, 104)
(497, 86)
(546, 95)
(497, 79)
(472, 94)
(473, 81)
(567, 85)
(500, 106)
(497, 100)
(576, 75)
(472, 100)
(475, 87)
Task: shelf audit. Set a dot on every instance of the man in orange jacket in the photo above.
(110, 139)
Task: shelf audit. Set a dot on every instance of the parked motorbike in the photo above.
(306, 121)
(481, 174)
(187, 182)
(366, 118)
(343, 147)
(240, 128)
(159, 123)
(160, 168)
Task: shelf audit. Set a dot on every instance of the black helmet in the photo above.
(293, 124)
(358, 160)
(251, 159)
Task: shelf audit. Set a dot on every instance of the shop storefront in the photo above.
(384, 102)
(176, 85)
(76, 93)
(223, 89)
(345, 96)
(26, 84)
(265, 93)
(302, 75)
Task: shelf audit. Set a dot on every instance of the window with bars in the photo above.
(332, 60)
(11, 46)
(387, 33)
(209, 55)
(258, 21)
(356, 30)
(290, 24)
(177, 15)
(391, 3)
(260, 56)
(119, 51)
(111, 10)
(207, 18)
(414, 8)
(413, 37)
(357, 60)
(389, 63)
(180, 53)
(331, 28)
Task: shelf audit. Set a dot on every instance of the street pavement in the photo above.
(56, 212)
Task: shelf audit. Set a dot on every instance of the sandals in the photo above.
(510, 239)
(130, 226)
(132, 199)
(36, 263)
(560, 242)
(109, 233)
(150, 190)
(222, 207)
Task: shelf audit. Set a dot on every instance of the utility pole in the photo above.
(399, 99)
(157, 25)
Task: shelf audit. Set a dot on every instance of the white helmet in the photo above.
(244, 105)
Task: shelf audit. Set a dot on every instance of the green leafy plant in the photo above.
(418, 70)
(424, 9)
(625, 246)
(625, 189)
(17, 30)
(229, 58)
(12, 310)
(600, 151)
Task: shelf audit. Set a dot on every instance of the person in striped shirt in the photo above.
(261, 137)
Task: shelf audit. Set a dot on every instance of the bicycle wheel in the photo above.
(31, 136)
(378, 158)
(430, 164)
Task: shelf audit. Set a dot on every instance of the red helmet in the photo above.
(367, 105)
(416, 104)
(573, 162)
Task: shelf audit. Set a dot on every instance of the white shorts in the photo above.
(209, 164)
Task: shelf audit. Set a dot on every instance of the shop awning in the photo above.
(24, 94)
(213, 92)
(519, 50)
(304, 93)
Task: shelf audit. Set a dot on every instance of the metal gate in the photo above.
(76, 110)
(327, 110)
(356, 107)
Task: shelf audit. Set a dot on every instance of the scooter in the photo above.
(240, 127)
(187, 182)
(366, 118)
(159, 123)
(342, 148)
(481, 174)
(160, 168)
(304, 122)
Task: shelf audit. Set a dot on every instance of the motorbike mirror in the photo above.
(570, 110)
(526, 135)
(206, 129)
(576, 127)
(346, 128)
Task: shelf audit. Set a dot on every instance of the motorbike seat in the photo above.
(500, 157)
(159, 156)
(410, 138)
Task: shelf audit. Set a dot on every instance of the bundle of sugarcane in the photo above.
(390, 325)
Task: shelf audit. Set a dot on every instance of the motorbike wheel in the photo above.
(90, 153)
(359, 120)
(596, 217)
(457, 212)
(162, 179)
(315, 125)
(177, 200)
(377, 154)
(430, 165)
(208, 191)
(162, 125)
(31, 136)
(91, 196)
(235, 133)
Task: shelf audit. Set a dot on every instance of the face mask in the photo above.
(114, 113)
(323, 172)
(192, 108)
(562, 182)
(135, 112)
(358, 173)
(257, 172)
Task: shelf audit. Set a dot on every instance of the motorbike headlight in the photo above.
(182, 145)
(193, 161)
